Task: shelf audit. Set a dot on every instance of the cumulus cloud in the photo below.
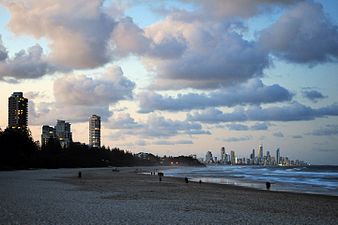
(291, 112)
(304, 34)
(328, 130)
(278, 134)
(251, 92)
(130, 39)
(123, 121)
(26, 65)
(110, 88)
(78, 32)
(3, 51)
(155, 126)
(79, 96)
(213, 54)
(49, 112)
(313, 95)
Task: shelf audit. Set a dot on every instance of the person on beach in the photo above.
(268, 185)
(186, 180)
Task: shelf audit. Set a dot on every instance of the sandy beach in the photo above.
(102, 196)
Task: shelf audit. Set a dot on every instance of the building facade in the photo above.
(47, 134)
(95, 131)
(63, 133)
(17, 111)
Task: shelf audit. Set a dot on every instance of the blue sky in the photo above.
(179, 77)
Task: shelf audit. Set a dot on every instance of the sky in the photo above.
(178, 77)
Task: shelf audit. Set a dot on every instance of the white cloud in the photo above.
(110, 88)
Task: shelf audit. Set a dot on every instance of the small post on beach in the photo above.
(79, 174)
(268, 185)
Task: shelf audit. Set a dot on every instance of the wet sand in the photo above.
(102, 196)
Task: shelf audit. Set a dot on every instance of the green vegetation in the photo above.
(19, 151)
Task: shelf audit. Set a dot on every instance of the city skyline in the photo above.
(178, 77)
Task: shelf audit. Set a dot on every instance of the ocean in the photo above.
(307, 179)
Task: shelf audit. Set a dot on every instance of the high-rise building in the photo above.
(95, 131)
(17, 111)
(253, 154)
(278, 156)
(222, 155)
(47, 133)
(260, 152)
(63, 133)
(233, 158)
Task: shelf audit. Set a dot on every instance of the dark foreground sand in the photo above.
(102, 196)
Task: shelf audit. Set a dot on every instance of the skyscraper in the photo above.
(95, 131)
(233, 158)
(222, 155)
(17, 111)
(260, 152)
(63, 133)
(278, 156)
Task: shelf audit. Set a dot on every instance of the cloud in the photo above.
(78, 32)
(297, 136)
(242, 8)
(237, 127)
(260, 126)
(79, 96)
(304, 34)
(313, 95)
(242, 127)
(155, 126)
(26, 65)
(141, 143)
(292, 112)
(3, 51)
(123, 121)
(211, 54)
(130, 39)
(251, 92)
(278, 134)
(328, 130)
(110, 88)
(237, 139)
(180, 142)
(49, 112)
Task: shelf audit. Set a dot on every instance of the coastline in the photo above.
(104, 196)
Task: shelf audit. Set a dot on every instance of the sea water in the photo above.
(307, 179)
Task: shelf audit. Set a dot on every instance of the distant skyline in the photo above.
(178, 77)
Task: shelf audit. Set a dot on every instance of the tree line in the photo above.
(19, 151)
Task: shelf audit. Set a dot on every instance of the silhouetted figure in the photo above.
(200, 182)
(79, 174)
(160, 175)
(186, 180)
(268, 185)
